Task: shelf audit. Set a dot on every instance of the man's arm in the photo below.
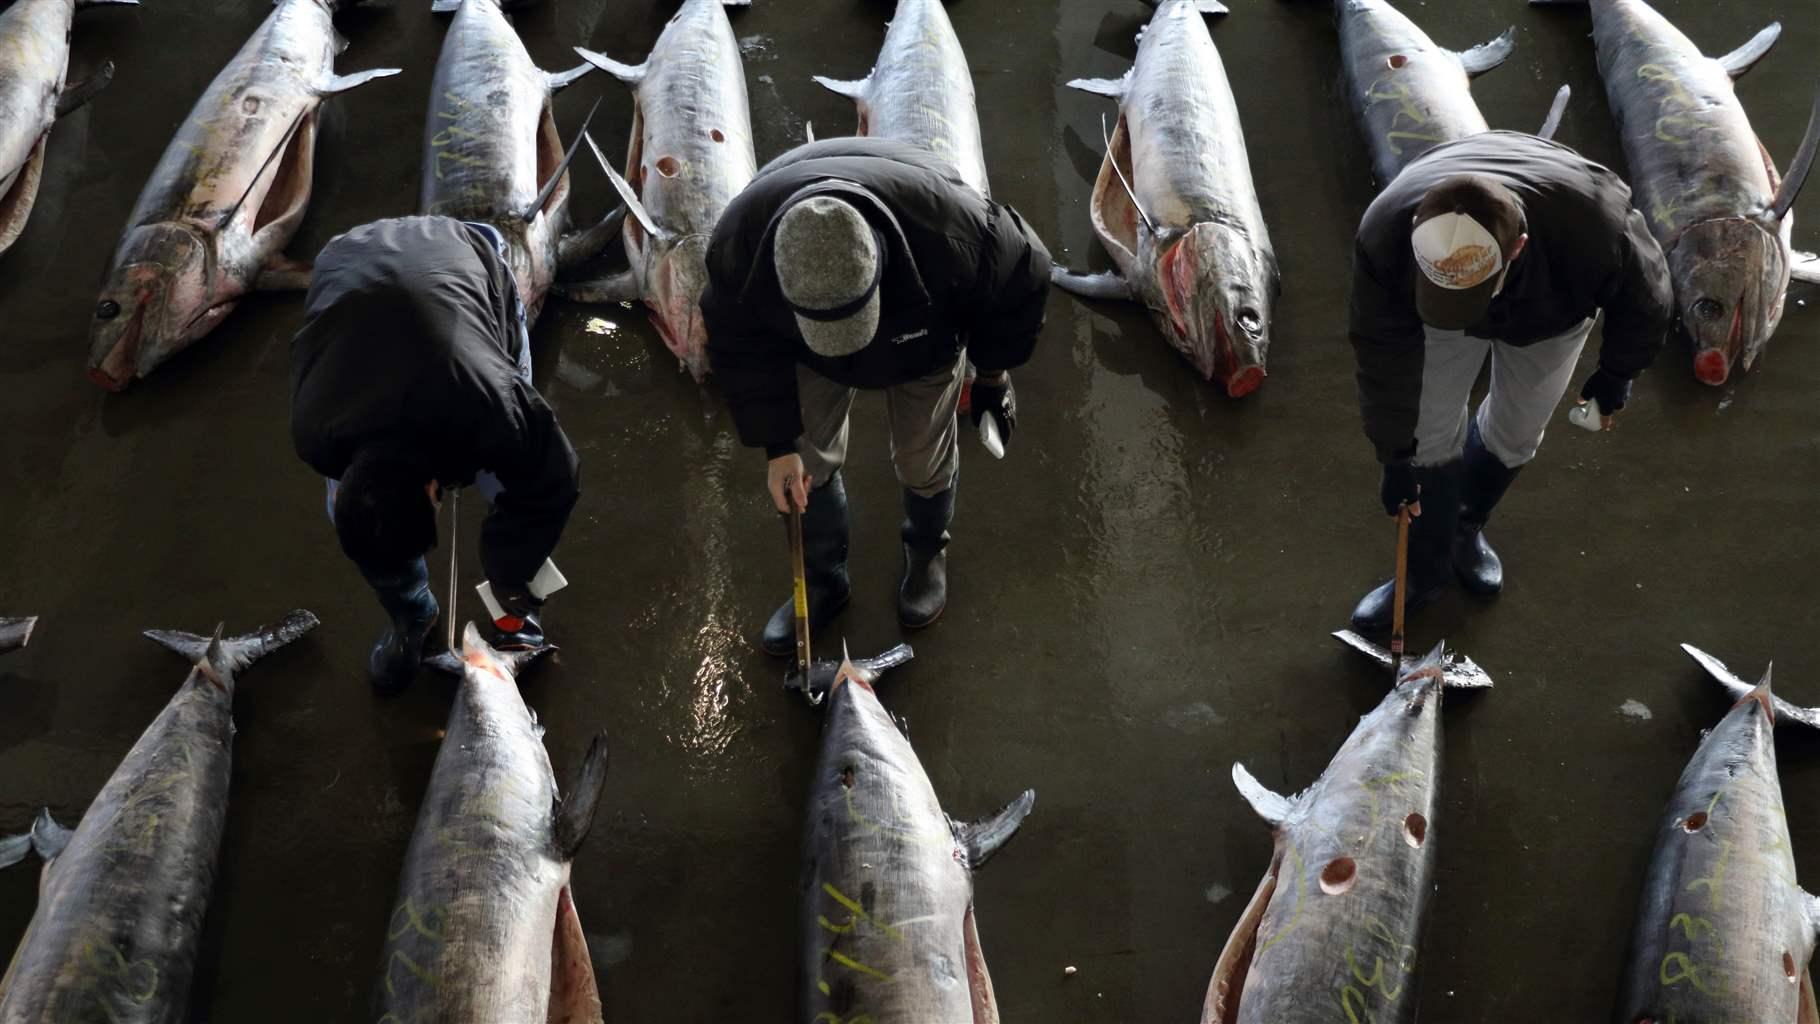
(1638, 300)
(1389, 343)
(1014, 291)
(757, 372)
(541, 481)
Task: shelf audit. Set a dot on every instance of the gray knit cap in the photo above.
(828, 266)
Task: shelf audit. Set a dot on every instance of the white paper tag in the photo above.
(548, 580)
(1586, 417)
(989, 437)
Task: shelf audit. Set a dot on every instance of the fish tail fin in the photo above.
(1556, 110)
(1745, 57)
(1798, 168)
(49, 838)
(981, 839)
(235, 653)
(736, 3)
(1273, 807)
(575, 811)
(1432, 665)
(1488, 55)
(1762, 694)
(1203, 6)
(1779, 709)
(631, 74)
(16, 633)
(85, 4)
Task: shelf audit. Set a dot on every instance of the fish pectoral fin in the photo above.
(342, 83)
(562, 167)
(283, 274)
(1798, 168)
(1110, 87)
(853, 90)
(14, 848)
(631, 74)
(1804, 267)
(578, 247)
(1106, 285)
(1485, 56)
(1273, 807)
(620, 287)
(574, 992)
(82, 4)
(1745, 57)
(624, 188)
(49, 838)
(238, 652)
(575, 812)
(560, 80)
(75, 96)
(1552, 123)
(809, 131)
(981, 839)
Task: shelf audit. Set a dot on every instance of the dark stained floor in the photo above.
(1141, 592)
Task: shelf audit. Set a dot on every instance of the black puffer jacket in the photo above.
(1587, 250)
(960, 272)
(411, 340)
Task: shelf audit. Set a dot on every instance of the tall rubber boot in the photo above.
(405, 596)
(1483, 482)
(924, 591)
(824, 564)
(1430, 544)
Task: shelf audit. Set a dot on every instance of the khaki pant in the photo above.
(1526, 385)
(923, 430)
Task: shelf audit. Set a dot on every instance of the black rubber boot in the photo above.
(1430, 544)
(1483, 481)
(825, 565)
(397, 654)
(924, 591)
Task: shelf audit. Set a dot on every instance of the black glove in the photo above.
(1398, 487)
(521, 627)
(1608, 389)
(999, 399)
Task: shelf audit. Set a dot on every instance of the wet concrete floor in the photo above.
(1141, 592)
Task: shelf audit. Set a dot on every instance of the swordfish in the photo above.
(491, 150)
(121, 904)
(1175, 206)
(887, 914)
(690, 154)
(1704, 180)
(1723, 933)
(921, 92)
(16, 633)
(225, 198)
(1333, 930)
(485, 929)
(34, 93)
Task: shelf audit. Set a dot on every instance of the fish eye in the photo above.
(1709, 309)
(1250, 322)
(108, 310)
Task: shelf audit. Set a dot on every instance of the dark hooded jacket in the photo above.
(960, 272)
(1588, 250)
(411, 341)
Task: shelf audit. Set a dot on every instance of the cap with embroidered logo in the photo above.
(1461, 232)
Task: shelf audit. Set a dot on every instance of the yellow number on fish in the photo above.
(1356, 1014)
(417, 922)
(1406, 107)
(1377, 976)
(825, 1017)
(1714, 884)
(1688, 971)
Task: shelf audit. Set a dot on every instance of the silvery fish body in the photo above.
(225, 198)
(888, 928)
(921, 92)
(1702, 179)
(16, 633)
(121, 905)
(485, 929)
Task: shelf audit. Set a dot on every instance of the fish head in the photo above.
(156, 300)
(1731, 277)
(676, 273)
(1215, 290)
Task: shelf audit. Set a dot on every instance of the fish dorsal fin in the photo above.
(631, 74)
(981, 839)
(562, 168)
(560, 80)
(1272, 806)
(852, 89)
(49, 838)
(1109, 87)
(1745, 57)
(1798, 168)
(1488, 55)
(624, 188)
(1804, 267)
(1552, 123)
(574, 812)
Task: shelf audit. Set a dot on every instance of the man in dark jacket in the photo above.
(1501, 244)
(865, 263)
(412, 374)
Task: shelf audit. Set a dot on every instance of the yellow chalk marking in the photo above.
(858, 912)
(418, 922)
(1714, 884)
(1295, 913)
(848, 962)
(1688, 972)
(416, 970)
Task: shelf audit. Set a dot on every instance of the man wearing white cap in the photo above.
(1502, 245)
(865, 263)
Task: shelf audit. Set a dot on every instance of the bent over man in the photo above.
(412, 374)
(1502, 245)
(865, 263)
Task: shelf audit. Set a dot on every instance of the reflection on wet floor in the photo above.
(1142, 589)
